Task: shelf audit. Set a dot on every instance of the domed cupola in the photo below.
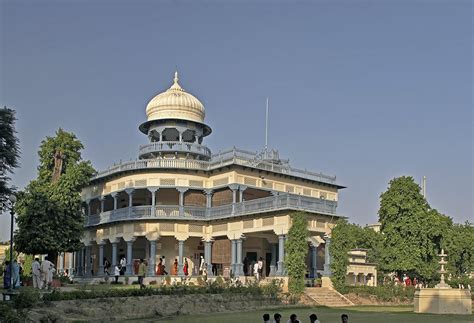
(175, 126)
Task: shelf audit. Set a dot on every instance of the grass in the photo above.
(357, 314)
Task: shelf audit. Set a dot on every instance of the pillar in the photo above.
(70, 261)
(61, 262)
(273, 261)
(208, 257)
(129, 255)
(314, 261)
(208, 201)
(152, 261)
(115, 196)
(101, 258)
(327, 258)
(88, 207)
(102, 204)
(365, 279)
(153, 199)
(239, 267)
(181, 191)
(355, 279)
(180, 257)
(232, 255)
(281, 255)
(80, 257)
(87, 261)
(114, 253)
(234, 188)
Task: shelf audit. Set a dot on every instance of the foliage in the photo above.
(347, 236)
(413, 231)
(7, 254)
(464, 280)
(9, 152)
(296, 248)
(383, 293)
(27, 298)
(271, 291)
(9, 314)
(460, 249)
(27, 267)
(50, 219)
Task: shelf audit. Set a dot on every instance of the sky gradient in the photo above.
(365, 90)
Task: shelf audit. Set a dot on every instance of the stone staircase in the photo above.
(327, 297)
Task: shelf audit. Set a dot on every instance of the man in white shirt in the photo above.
(47, 269)
(256, 271)
(123, 266)
(260, 267)
(36, 271)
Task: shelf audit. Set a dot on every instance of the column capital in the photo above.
(101, 242)
(233, 187)
(130, 240)
(101, 197)
(114, 194)
(152, 237)
(182, 189)
(242, 187)
(129, 191)
(115, 240)
(153, 189)
(208, 191)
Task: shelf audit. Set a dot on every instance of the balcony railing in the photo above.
(172, 146)
(272, 203)
(225, 158)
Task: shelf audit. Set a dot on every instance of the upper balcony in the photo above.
(235, 156)
(155, 149)
(175, 212)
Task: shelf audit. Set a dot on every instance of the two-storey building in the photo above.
(180, 201)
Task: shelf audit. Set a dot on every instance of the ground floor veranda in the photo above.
(221, 256)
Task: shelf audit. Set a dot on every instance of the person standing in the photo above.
(186, 267)
(116, 273)
(36, 271)
(256, 271)
(123, 265)
(106, 267)
(141, 273)
(260, 267)
(46, 272)
(7, 275)
(174, 271)
(16, 274)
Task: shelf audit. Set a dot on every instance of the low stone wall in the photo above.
(159, 306)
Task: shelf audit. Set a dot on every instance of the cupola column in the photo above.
(208, 201)
(234, 188)
(115, 197)
(153, 191)
(129, 255)
(101, 258)
(208, 257)
(102, 204)
(130, 199)
(180, 258)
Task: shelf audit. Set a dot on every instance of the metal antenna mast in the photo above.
(266, 127)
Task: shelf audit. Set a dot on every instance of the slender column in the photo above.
(80, 271)
(180, 257)
(275, 200)
(234, 188)
(153, 191)
(314, 261)
(87, 261)
(129, 256)
(355, 279)
(130, 200)
(115, 196)
(70, 260)
(102, 204)
(151, 262)
(208, 257)
(232, 255)
(114, 253)
(365, 279)
(88, 207)
(61, 262)
(327, 258)
(273, 261)
(239, 270)
(101, 258)
(242, 188)
(180, 136)
(281, 255)
(208, 201)
(181, 191)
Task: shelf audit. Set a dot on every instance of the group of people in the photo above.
(42, 273)
(12, 274)
(313, 318)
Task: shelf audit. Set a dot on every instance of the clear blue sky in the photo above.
(366, 90)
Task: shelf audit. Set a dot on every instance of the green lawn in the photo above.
(358, 314)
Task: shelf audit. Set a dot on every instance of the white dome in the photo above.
(175, 103)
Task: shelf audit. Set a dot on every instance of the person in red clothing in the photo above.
(186, 267)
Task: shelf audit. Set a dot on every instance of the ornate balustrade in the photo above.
(172, 146)
(272, 203)
(225, 158)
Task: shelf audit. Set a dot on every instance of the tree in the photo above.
(9, 152)
(50, 219)
(413, 231)
(459, 246)
(296, 248)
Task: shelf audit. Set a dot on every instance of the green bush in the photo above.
(296, 248)
(27, 298)
(383, 293)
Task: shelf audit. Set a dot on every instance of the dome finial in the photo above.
(176, 76)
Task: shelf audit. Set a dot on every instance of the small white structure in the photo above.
(359, 271)
(443, 299)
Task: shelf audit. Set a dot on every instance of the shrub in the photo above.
(383, 293)
(296, 249)
(27, 298)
